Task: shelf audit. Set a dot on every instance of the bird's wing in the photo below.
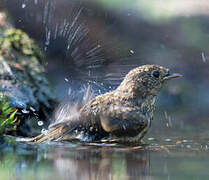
(126, 122)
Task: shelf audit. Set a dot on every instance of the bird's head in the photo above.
(146, 80)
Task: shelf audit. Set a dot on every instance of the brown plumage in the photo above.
(124, 114)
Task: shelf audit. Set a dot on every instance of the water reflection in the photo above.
(76, 161)
(102, 164)
(68, 162)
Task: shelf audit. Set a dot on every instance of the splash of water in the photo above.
(203, 57)
(67, 112)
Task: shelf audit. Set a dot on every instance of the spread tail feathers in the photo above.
(55, 134)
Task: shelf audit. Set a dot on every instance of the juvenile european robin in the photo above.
(122, 115)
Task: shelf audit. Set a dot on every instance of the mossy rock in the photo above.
(23, 80)
(18, 40)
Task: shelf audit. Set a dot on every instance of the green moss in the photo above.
(7, 116)
(25, 60)
(17, 39)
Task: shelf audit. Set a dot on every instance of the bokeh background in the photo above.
(98, 42)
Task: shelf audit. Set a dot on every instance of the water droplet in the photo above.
(203, 57)
(168, 119)
(131, 51)
(40, 123)
(66, 79)
(32, 109)
(48, 38)
(188, 146)
(69, 91)
(185, 141)
(151, 139)
(168, 140)
(44, 131)
(23, 5)
(24, 111)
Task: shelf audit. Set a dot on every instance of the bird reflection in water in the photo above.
(102, 163)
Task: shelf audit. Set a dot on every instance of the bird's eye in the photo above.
(156, 74)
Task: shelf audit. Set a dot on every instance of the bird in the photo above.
(122, 115)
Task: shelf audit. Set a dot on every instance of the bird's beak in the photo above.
(172, 76)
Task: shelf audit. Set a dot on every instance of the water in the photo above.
(157, 160)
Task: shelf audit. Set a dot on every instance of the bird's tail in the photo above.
(61, 132)
(52, 135)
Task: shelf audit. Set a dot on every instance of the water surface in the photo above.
(162, 158)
